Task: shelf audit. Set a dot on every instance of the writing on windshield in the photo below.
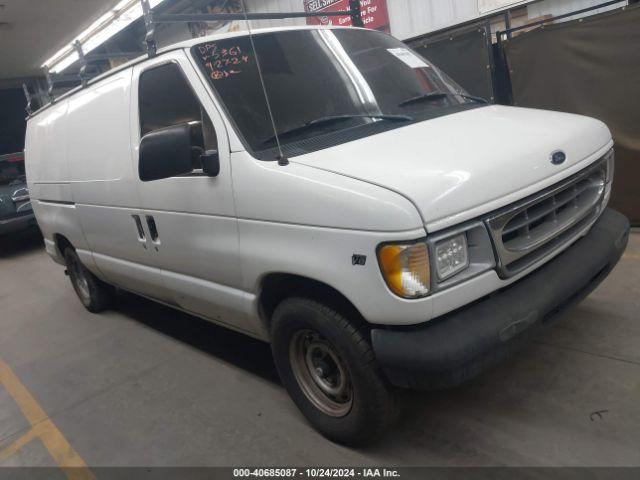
(222, 61)
(360, 79)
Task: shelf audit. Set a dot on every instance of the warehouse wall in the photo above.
(410, 18)
(276, 6)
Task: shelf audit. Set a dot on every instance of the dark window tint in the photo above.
(312, 76)
(166, 99)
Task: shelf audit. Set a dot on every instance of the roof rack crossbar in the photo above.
(50, 84)
(52, 79)
(84, 77)
(71, 78)
(149, 23)
(94, 57)
(356, 13)
(28, 96)
(215, 17)
(82, 73)
(151, 20)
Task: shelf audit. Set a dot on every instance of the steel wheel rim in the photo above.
(321, 373)
(79, 280)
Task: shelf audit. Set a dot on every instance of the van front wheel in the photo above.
(329, 369)
(94, 294)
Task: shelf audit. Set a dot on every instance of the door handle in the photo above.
(153, 230)
(142, 238)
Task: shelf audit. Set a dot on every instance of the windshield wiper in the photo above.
(473, 98)
(427, 97)
(337, 118)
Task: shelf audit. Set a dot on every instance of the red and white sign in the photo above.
(374, 13)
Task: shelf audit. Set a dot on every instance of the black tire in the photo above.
(355, 417)
(94, 294)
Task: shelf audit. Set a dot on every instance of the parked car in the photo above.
(16, 214)
(376, 224)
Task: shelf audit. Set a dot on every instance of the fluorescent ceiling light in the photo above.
(105, 27)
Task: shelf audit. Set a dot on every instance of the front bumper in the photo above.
(17, 224)
(458, 346)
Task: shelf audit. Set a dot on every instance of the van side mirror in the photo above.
(210, 163)
(165, 153)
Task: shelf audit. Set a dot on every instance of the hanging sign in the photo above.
(374, 13)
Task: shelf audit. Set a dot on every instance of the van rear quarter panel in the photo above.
(48, 178)
(99, 147)
(78, 159)
(46, 147)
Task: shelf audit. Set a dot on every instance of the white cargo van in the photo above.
(373, 222)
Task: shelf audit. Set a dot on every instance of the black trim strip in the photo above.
(56, 202)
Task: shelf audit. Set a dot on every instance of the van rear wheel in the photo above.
(329, 369)
(94, 294)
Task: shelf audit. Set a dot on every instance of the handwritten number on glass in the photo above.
(222, 62)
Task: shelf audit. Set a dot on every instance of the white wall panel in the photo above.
(490, 6)
(410, 18)
(270, 6)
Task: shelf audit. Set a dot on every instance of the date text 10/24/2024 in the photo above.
(318, 472)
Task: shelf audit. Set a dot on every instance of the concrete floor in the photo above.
(146, 386)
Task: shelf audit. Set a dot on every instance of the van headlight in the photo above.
(451, 256)
(610, 158)
(406, 268)
(454, 255)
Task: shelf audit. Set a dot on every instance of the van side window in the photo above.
(166, 99)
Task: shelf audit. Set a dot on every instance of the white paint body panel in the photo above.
(195, 216)
(456, 167)
(220, 237)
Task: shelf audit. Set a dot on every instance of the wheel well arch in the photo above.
(62, 243)
(276, 287)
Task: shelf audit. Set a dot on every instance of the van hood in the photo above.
(460, 166)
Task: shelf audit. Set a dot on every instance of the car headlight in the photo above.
(455, 255)
(451, 256)
(406, 268)
(610, 158)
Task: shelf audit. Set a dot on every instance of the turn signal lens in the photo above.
(406, 269)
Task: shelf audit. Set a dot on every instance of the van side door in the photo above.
(191, 218)
(103, 194)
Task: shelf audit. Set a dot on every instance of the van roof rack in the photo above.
(150, 22)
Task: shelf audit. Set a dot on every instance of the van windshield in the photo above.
(325, 86)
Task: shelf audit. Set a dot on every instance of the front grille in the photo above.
(528, 230)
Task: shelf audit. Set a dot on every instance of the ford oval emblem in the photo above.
(558, 157)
